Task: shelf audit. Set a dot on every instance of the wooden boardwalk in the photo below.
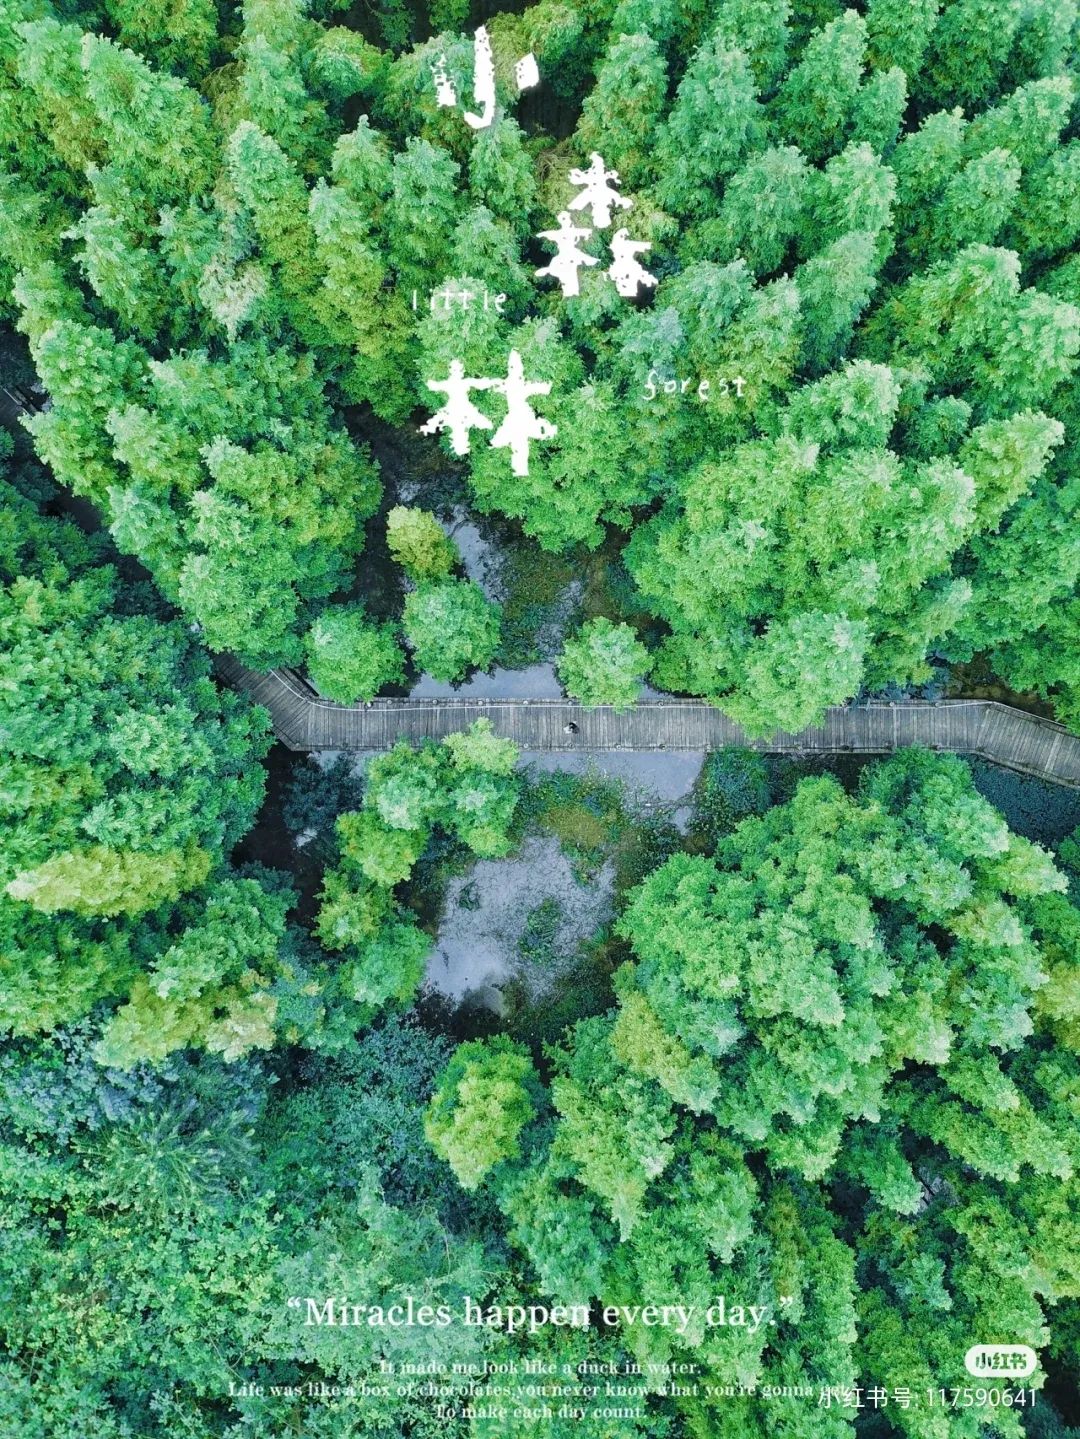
(14, 403)
(1010, 737)
(304, 721)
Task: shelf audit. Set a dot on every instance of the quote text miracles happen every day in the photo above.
(530, 1318)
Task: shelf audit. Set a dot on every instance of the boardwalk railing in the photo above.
(304, 721)
(1010, 737)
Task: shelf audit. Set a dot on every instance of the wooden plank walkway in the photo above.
(14, 403)
(1010, 737)
(304, 721)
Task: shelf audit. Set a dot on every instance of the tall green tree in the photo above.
(709, 562)
(605, 664)
(827, 1082)
(350, 658)
(451, 627)
(715, 120)
(129, 777)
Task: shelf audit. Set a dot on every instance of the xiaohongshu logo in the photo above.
(1015, 1360)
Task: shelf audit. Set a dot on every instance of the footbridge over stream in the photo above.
(303, 720)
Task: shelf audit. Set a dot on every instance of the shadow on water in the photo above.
(270, 843)
(1044, 812)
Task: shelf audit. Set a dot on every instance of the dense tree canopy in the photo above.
(604, 664)
(795, 421)
(171, 1186)
(128, 778)
(840, 1071)
(836, 437)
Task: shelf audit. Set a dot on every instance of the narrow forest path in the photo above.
(1020, 741)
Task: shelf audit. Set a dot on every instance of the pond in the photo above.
(523, 920)
(524, 917)
(483, 938)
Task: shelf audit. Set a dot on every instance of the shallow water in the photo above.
(478, 554)
(537, 682)
(476, 948)
(534, 682)
(655, 779)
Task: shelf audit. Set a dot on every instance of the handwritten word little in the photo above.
(460, 299)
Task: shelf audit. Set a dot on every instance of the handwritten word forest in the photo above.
(554, 364)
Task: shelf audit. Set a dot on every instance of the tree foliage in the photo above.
(837, 1073)
(832, 450)
(217, 263)
(452, 627)
(129, 778)
(350, 658)
(604, 664)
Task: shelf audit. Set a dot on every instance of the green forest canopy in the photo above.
(842, 1069)
(213, 226)
(839, 1081)
(837, 1058)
